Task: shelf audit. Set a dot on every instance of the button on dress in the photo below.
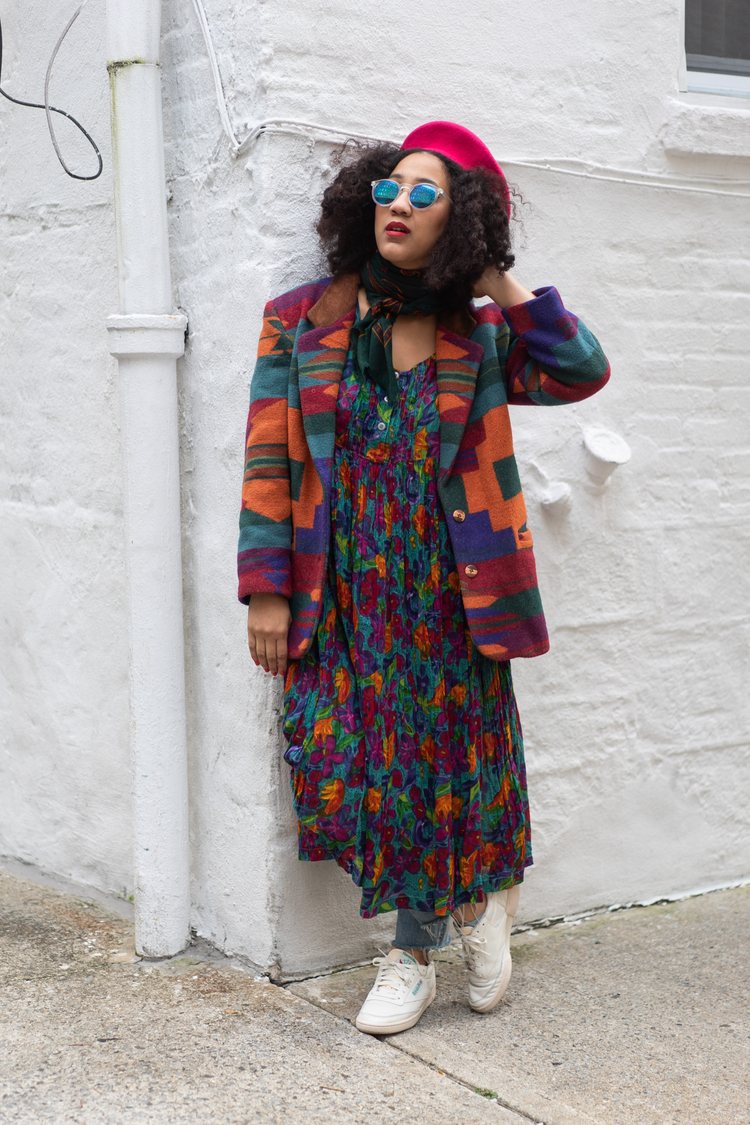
(404, 741)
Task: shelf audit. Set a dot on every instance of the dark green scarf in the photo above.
(390, 292)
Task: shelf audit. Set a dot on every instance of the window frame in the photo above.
(718, 83)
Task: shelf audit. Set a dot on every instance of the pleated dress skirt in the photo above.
(404, 741)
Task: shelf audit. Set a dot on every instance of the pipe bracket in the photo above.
(147, 334)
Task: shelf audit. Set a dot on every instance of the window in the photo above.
(717, 46)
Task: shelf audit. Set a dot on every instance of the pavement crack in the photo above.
(481, 1091)
(390, 1041)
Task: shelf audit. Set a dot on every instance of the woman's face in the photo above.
(404, 234)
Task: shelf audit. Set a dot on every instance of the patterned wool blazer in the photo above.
(486, 358)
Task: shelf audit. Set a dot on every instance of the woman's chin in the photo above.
(399, 256)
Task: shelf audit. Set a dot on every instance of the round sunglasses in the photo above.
(384, 192)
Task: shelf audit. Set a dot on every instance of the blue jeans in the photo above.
(417, 929)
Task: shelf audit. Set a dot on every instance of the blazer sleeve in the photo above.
(552, 357)
(264, 552)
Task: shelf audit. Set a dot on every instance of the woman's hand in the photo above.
(502, 288)
(268, 620)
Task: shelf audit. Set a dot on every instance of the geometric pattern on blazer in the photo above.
(487, 358)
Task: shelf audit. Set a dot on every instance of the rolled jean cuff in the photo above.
(417, 929)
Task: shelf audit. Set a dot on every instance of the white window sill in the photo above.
(702, 124)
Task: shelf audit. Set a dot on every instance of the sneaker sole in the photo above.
(398, 1025)
(496, 996)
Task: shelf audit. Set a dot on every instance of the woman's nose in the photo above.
(401, 204)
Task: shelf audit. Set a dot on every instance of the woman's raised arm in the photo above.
(551, 357)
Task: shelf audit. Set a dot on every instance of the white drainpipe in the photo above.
(147, 337)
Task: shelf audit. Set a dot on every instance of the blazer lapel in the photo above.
(458, 360)
(321, 357)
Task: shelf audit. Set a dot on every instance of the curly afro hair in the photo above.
(476, 236)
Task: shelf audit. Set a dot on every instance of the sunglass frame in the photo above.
(412, 188)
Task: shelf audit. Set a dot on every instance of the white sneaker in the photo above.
(486, 947)
(403, 989)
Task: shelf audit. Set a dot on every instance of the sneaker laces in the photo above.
(392, 975)
(473, 947)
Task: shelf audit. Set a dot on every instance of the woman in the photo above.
(384, 552)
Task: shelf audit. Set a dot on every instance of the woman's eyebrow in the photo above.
(419, 180)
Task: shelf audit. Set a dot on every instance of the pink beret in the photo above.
(458, 144)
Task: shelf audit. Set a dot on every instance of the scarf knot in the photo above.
(391, 292)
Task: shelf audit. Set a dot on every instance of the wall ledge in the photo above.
(699, 130)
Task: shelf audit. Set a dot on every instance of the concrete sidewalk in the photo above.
(634, 1016)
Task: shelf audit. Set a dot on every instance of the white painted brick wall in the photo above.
(64, 779)
(636, 722)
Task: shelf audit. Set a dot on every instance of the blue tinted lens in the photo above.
(385, 191)
(422, 195)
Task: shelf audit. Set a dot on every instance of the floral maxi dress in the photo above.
(404, 741)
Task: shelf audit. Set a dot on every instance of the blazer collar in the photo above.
(322, 352)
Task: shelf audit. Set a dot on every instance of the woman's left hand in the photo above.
(502, 288)
(487, 283)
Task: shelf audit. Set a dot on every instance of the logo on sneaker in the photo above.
(417, 987)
